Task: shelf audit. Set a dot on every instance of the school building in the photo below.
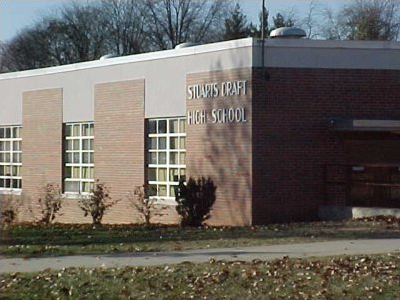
(313, 129)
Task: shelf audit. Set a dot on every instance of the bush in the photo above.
(195, 200)
(97, 203)
(9, 209)
(50, 203)
(147, 207)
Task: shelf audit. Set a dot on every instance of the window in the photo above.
(78, 158)
(166, 146)
(10, 157)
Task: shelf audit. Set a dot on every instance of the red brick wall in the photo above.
(223, 151)
(291, 137)
(119, 143)
(41, 146)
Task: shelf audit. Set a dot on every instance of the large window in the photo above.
(10, 157)
(166, 144)
(78, 157)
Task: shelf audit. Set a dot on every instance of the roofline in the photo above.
(207, 48)
(220, 46)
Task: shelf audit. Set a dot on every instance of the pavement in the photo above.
(345, 247)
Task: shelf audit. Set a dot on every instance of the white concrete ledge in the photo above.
(331, 213)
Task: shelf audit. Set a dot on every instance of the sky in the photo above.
(17, 14)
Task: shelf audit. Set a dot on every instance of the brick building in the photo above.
(318, 127)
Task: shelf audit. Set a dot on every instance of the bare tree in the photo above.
(28, 50)
(85, 27)
(125, 22)
(364, 20)
(310, 21)
(372, 20)
(172, 22)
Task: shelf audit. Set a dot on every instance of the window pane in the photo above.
(76, 157)
(172, 190)
(162, 143)
(16, 183)
(68, 172)
(91, 132)
(87, 172)
(183, 174)
(153, 158)
(86, 144)
(16, 146)
(76, 144)
(85, 157)
(2, 170)
(87, 187)
(152, 126)
(7, 170)
(8, 132)
(162, 190)
(162, 158)
(16, 171)
(182, 158)
(162, 126)
(91, 157)
(7, 158)
(152, 143)
(173, 126)
(152, 190)
(5, 146)
(152, 174)
(75, 130)
(182, 143)
(17, 132)
(182, 126)
(7, 183)
(2, 133)
(174, 142)
(68, 130)
(162, 174)
(86, 130)
(69, 145)
(16, 157)
(174, 175)
(69, 158)
(2, 157)
(71, 186)
(75, 172)
(173, 158)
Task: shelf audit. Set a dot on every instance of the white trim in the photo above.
(207, 48)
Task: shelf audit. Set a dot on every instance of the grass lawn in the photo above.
(66, 239)
(347, 277)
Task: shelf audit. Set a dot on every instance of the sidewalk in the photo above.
(348, 247)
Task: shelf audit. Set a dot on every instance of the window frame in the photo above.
(77, 150)
(154, 167)
(11, 151)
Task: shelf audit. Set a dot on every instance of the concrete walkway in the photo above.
(349, 247)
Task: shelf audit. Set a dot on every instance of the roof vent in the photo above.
(287, 33)
(186, 45)
(107, 56)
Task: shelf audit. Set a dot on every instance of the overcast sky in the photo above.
(17, 14)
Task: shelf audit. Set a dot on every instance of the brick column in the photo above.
(222, 151)
(119, 143)
(41, 145)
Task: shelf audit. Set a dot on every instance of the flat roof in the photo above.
(207, 48)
